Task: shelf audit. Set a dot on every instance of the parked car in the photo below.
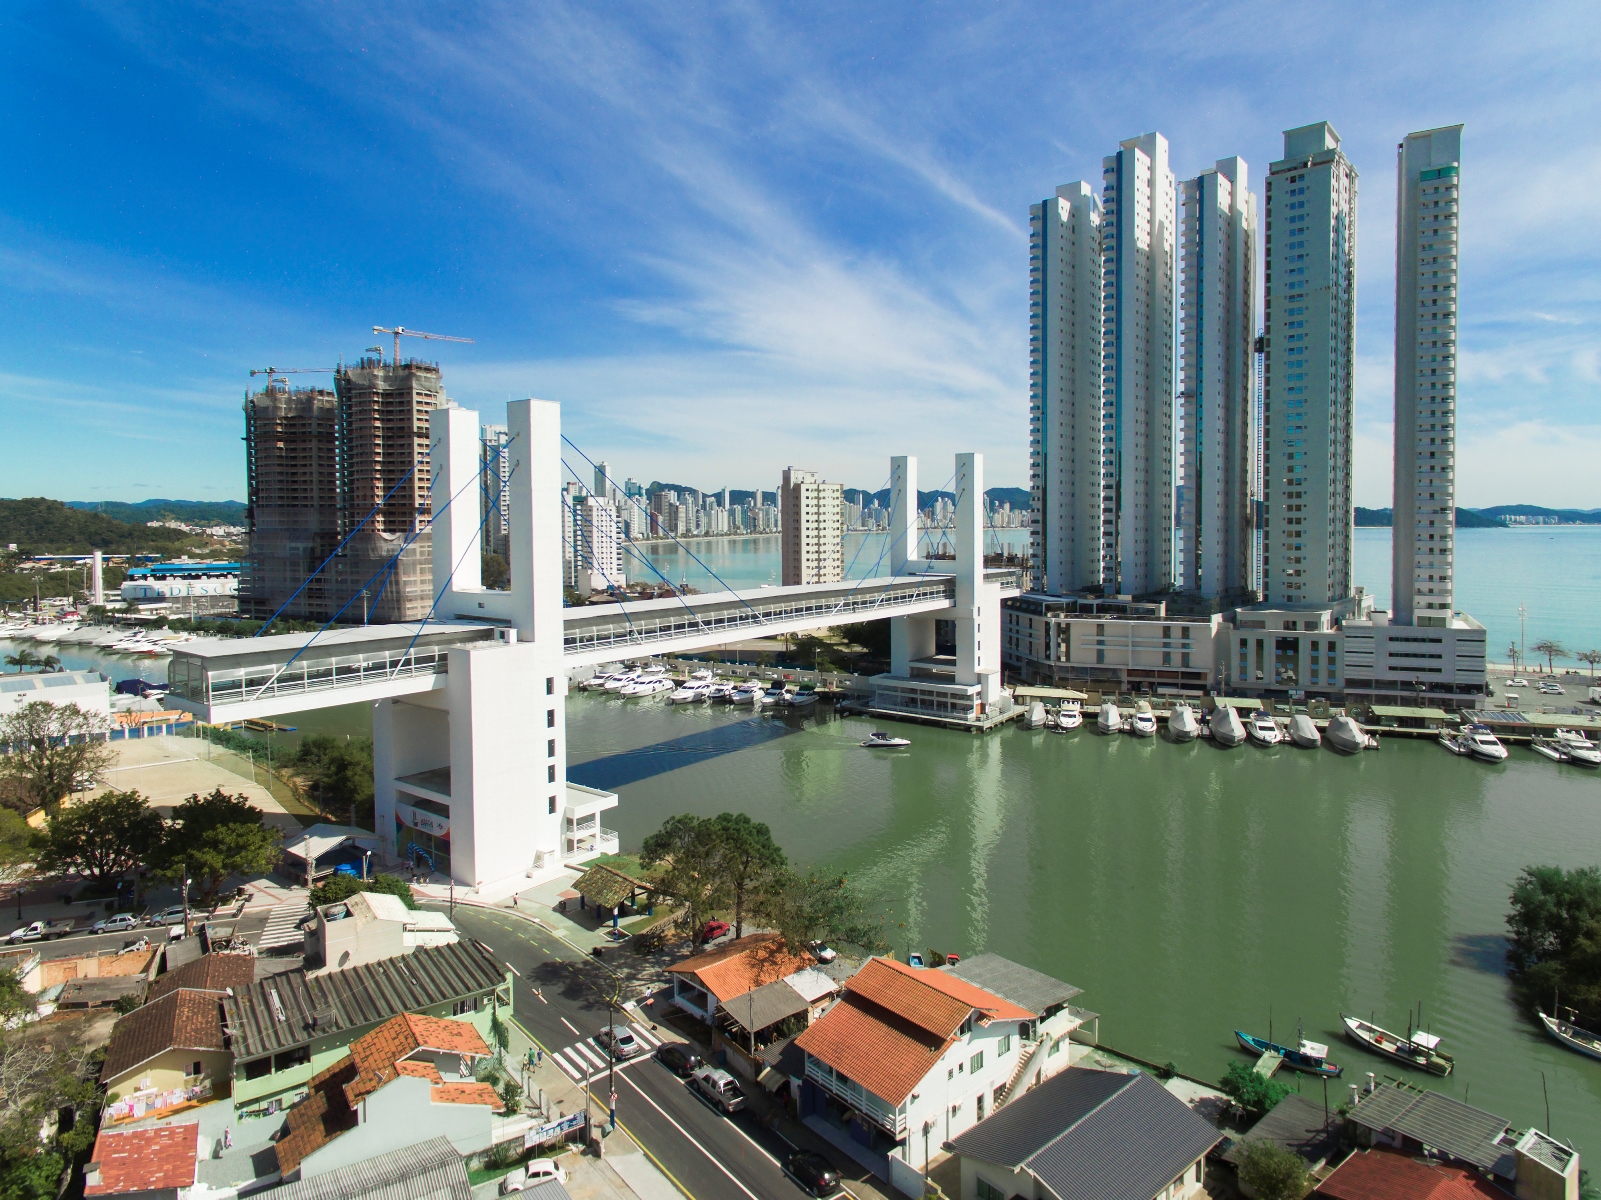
(619, 1040)
(713, 929)
(44, 931)
(120, 923)
(172, 915)
(678, 1058)
(718, 1088)
(813, 1172)
(1517, 681)
(823, 952)
(530, 1174)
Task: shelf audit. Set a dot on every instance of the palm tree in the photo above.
(50, 663)
(1512, 656)
(1552, 651)
(1591, 658)
(23, 660)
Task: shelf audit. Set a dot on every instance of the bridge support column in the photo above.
(910, 638)
(978, 604)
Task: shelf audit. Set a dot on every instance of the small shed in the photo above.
(611, 891)
(1395, 716)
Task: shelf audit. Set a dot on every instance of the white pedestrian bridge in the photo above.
(234, 680)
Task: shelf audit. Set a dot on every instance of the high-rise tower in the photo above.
(813, 525)
(1139, 269)
(1218, 398)
(1427, 202)
(1067, 429)
(1308, 393)
(292, 457)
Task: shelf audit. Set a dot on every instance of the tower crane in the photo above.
(269, 372)
(400, 331)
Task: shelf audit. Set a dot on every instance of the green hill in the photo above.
(190, 512)
(40, 526)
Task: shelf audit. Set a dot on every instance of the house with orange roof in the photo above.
(704, 983)
(158, 1163)
(412, 1072)
(910, 1057)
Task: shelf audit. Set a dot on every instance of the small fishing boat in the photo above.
(1110, 719)
(1571, 1035)
(915, 959)
(1580, 748)
(1143, 724)
(1416, 1049)
(878, 739)
(1304, 732)
(1309, 1057)
(1070, 716)
(1346, 735)
(1227, 729)
(1036, 716)
(1182, 725)
(1453, 742)
(1264, 730)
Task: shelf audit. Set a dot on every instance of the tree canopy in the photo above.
(55, 748)
(212, 837)
(1274, 1172)
(343, 887)
(339, 772)
(1554, 948)
(103, 837)
(1251, 1091)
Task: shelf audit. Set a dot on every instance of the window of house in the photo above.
(988, 1191)
(259, 1068)
(550, 685)
(464, 1006)
(291, 1058)
(550, 774)
(197, 1069)
(550, 718)
(553, 806)
(976, 1063)
(1002, 1045)
(978, 1107)
(550, 748)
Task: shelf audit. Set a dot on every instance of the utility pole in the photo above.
(1523, 636)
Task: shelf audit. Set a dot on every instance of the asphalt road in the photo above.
(78, 945)
(707, 1154)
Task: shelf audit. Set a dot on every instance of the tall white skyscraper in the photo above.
(1068, 431)
(1309, 389)
(1217, 403)
(1427, 201)
(1139, 233)
(813, 523)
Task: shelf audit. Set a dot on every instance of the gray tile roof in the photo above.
(430, 1170)
(1012, 981)
(1438, 1122)
(766, 1005)
(1094, 1135)
(1298, 1125)
(289, 1010)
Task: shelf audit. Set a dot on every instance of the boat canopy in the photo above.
(1314, 1049)
(1427, 1040)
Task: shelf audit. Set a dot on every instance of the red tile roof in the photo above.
(1386, 1175)
(180, 1020)
(145, 1160)
(377, 1054)
(209, 973)
(887, 1055)
(743, 965)
(465, 1093)
(931, 999)
(421, 1068)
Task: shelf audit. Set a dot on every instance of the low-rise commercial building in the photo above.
(1114, 642)
(89, 690)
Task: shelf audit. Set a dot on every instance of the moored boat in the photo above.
(1264, 729)
(1579, 748)
(1182, 725)
(647, 687)
(1549, 748)
(1143, 723)
(1417, 1049)
(878, 739)
(1304, 732)
(775, 694)
(1483, 744)
(1110, 719)
(1346, 735)
(1226, 727)
(1036, 717)
(802, 697)
(1571, 1035)
(1069, 716)
(619, 681)
(692, 692)
(1309, 1057)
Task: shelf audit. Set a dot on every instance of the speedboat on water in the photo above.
(692, 692)
(1181, 723)
(1580, 748)
(619, 681)
(1227, 730)
(1571, 1035)
(1143, 723)
(647, 687)
(1346, 735)
(1110, 719)
(878, 739)
(803, 697)
(1263, 729)
(775, 694)
(1304, 732)
(1069, 716)
(721, 690)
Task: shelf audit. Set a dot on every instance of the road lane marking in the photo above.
(650, 1038)
(592, 1055)
(685, 1134)
(570, 1072)
(571, 1026)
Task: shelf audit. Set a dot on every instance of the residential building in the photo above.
(495, 497)
(370, 927)
(1217, 437)
(432, 1169)
(287, 1028)
(1070, 434)
(410, 1073)
(1088, 1133)
(1428, 195)
(1112, 642)
(1309, 370)
(158, 1163)
(1385, 1175)
(705, 983)
(813, 524)
(292, 487)
(1139, 269)
(215, 973)
(910, 1058)
(167, 1052)
(596, 563)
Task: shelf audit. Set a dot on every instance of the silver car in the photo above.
(619, 1040)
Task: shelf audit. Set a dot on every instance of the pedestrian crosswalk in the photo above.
(283, 926)
(588, 1057)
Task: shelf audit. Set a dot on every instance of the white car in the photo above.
(1517, 681)
(823, 952)
(540, 1170)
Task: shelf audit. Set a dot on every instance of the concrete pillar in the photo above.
(978, 605)
(456, 532)
(97, 584)
(910, 638)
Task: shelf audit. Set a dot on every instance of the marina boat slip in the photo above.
(748, 693)
(1308, 1057)
(692, 692)
(804, 697)
(773, 695)
(1264, 730)
(1182, 725)
(1069, 717)
(1227, 730)
(1571, 1035)
(1304, 732)
(1347, 736)
(1110, 719)
(1476, 741)
(1417, 1049)
(1144, 721)
(879, 740)
(1036, 715)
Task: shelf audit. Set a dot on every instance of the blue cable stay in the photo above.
(882, 551)
(307, 581)
(760, 619)
(589, 556)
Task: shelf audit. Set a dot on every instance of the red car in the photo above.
(713, 929)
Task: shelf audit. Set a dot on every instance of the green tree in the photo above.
(807, 906)
(749, 861)
(1552, 650)
(684, 858)
(103, 837)
(1590, 658)
(55, 748)
(495, 574)
(1274, 1172)
(1251, 1091)
(16, 843)
(39, 1076)
(343, 887)
(1554, 947)
(216, 836)
(340, 771)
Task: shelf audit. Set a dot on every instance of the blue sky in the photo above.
(728, 238)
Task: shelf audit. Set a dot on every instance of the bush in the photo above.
(1273, 1172)
(342, 887)
(1250, 1091)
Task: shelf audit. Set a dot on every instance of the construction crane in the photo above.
(269, 372)
(400, 331)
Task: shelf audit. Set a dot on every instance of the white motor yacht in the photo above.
(702, 676)
(1346, 735)
(1144, 722)
(619, 681)
(1483, 744)
(773, 695)
(805, 696)
(110, 639)
(1110, 719)
(1227, 729)
(722, 690)
(653, 669)
(647, 687)
(692, 692)
(747, 693)
(1263, 729)
(1303, 732)
(1579, 748)
(879, 740)
(1070, 715)
(1182, 725)
(53, 633)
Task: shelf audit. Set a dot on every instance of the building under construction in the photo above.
(368, 441)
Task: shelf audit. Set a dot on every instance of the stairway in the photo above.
(1024, 1059)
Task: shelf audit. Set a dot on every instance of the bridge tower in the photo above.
(910, 638)
(476, 771)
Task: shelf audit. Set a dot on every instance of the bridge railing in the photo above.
(268, 681)
(622, 633)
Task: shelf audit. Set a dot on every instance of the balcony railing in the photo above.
(248, 684)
